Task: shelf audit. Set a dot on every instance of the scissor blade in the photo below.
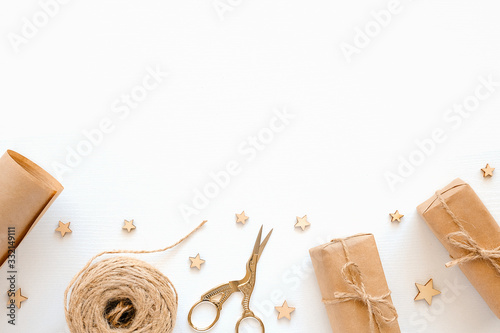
(257, 242)
(264, 243)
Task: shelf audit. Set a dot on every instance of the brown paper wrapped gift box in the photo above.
(477, 221)
(26, 192)
(352, 316)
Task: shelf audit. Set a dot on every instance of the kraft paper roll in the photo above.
(26, 192)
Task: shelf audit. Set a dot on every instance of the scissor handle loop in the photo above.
(249, 314)
(218, 308)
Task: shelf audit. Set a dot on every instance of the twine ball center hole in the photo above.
(119, 313)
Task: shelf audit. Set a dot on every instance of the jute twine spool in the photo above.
(121, 294)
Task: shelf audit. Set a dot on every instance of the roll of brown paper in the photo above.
(26, 192)
(344, 301)
(464, 204)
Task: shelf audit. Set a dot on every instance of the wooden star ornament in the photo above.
(128, 225)
(196, 261)
(426, 292)
(284, 311)
(17, 298)
(396, 216)
(488, 171)
(63, 228)
(241, 218)
(302, 222)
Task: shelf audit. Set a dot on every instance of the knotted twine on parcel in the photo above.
(353, 286)
(465, 227)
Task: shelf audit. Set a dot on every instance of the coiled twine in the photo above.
(121, 294)
(125, 295)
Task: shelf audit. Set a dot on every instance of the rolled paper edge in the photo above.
(33, 170)
(37, 174)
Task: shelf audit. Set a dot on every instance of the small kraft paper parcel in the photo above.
(353, 286)
(465, 227)
(26, 192)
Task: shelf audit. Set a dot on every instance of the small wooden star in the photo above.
(396, 216)
(129, 225)
(284, 311)
(302, 222)
(426, 292)
(63, 228)
(196, 261)
(17, 298)
(242, 218)
(488, 171)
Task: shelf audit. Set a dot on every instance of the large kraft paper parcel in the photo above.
(482, 228)
(328, 260)
(26, 192)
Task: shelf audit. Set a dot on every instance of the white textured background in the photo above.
(353, 122)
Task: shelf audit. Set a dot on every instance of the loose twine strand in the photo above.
(122, 294)
(375, 304)
(464, 240)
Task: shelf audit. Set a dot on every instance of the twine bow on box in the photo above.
(462, 239)
(375, 304)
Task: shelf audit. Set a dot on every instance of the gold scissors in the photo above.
(218, 295)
